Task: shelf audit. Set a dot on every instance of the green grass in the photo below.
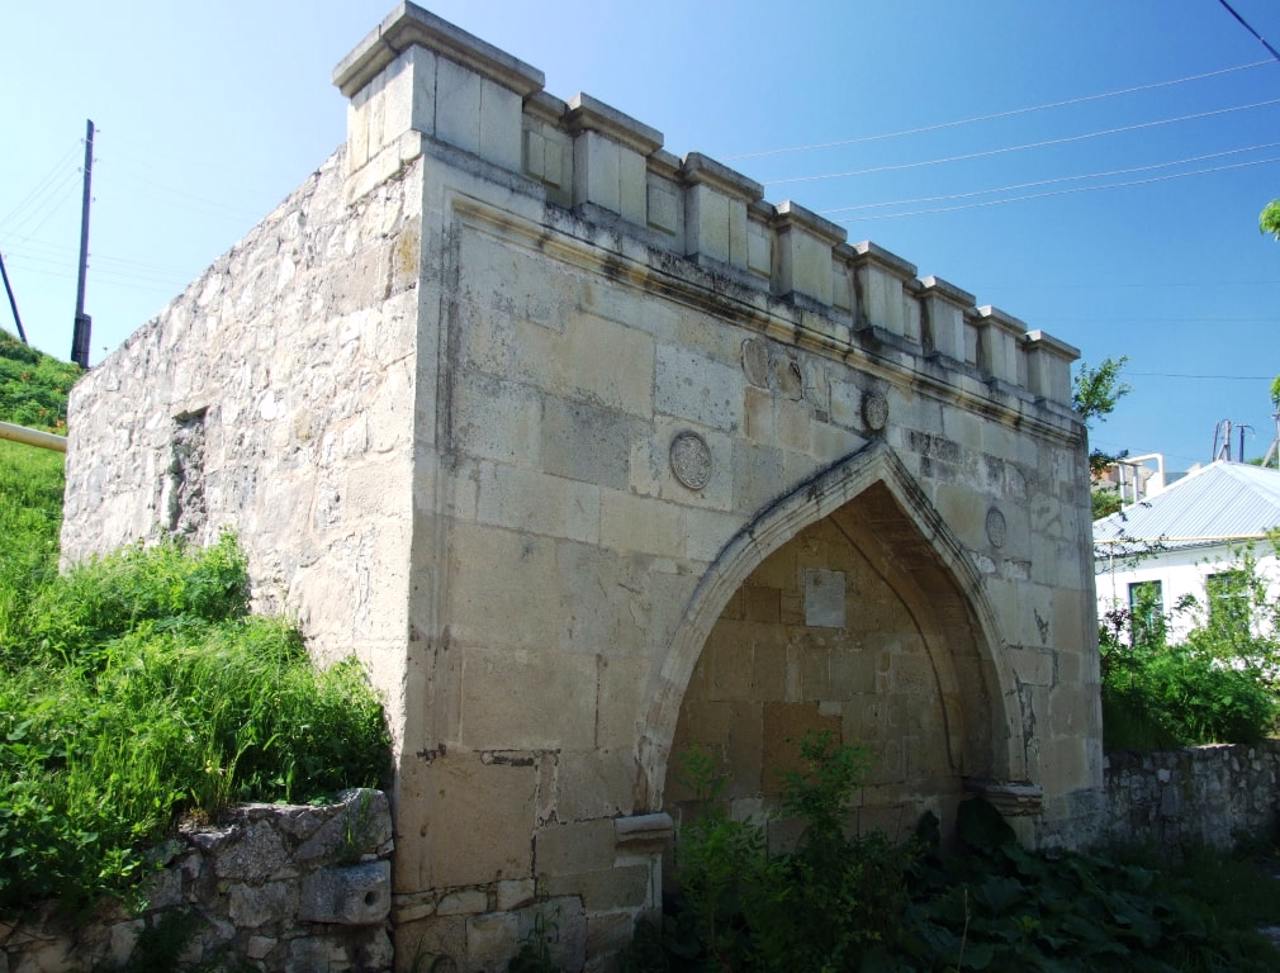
(137, 688)
(30, 518)
(34, 386)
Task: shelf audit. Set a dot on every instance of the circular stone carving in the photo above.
(875, 410)
(997, 529)
(691, 460)
(755, 362)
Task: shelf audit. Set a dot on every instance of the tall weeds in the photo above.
(137, 688)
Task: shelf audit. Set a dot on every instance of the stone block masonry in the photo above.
(1215, 795)
(527, 412)
(289, 889)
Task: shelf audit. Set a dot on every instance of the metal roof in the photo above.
(1217, 504)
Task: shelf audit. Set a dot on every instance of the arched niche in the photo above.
(912, 599)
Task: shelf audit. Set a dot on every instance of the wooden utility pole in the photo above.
(84, 323)
(13, 303)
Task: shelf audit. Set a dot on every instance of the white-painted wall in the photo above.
(1180, 573)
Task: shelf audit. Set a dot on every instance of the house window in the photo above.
(1146, 611)
(1228, 595)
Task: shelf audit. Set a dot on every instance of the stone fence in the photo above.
(297, 889)
(1214, 794)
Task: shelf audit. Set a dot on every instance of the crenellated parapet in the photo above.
(590, 453)
(418, 75)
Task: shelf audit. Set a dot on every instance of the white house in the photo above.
(1186, 540)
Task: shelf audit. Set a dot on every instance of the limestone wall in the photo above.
(561, 548)
(513, 402)
(273, 887)
(1215, 795)
(275, 397)
(818, 640)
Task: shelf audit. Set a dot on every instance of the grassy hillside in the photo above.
(137, 688)
(30, 517)
(34, 386)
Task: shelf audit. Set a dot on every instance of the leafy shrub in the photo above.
(137, 688)
(840, 903)
(1179, 695)
(819, 907)
(997, 906)
(1216, 686)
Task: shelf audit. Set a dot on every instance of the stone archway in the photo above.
(864, 515)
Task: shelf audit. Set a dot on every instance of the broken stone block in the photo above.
(357, 895)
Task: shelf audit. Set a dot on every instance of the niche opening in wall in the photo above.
(186, 504)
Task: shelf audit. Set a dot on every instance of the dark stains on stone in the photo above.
(434, 753)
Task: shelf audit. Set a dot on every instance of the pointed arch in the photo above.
(874, 466)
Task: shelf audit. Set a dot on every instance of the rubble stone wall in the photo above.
(293, 889)
(1216, 795)
(274, 397)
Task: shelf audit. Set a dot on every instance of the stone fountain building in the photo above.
(590, 453)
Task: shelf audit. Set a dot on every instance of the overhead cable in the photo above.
(40, 210)
(1222, 378)
(994, 115)
(42, 184)
(1245, 24)
(984, 153)
(1058, 192)
(1059, 179)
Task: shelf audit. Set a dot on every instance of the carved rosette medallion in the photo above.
(875, 410)
(997, 529)
(691, 460)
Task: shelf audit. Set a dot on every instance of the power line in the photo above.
(1059, 192)
(1160, 319)
(40, 210)
(1095, 285)
(1221, 378)
(893, 167)
(125, 272)
(216, 207)
(53, 210)
(1059, 179)
(42, 183)
(994, 115)
(107, 277)
(1245, 24)
(47, 248)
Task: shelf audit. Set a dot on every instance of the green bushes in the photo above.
(34, 386)
(819, 907)
(137, 688)
(843, 903)
(1217, 686)
(1163, 696)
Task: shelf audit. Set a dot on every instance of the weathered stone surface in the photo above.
(1216, 795)
(229, 877)
(255, 905)
(354, 895)
(436, 392)
(467, 902)
(257, 851)
(363, 823)
(515, 893)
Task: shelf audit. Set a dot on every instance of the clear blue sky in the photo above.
(209, 114)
